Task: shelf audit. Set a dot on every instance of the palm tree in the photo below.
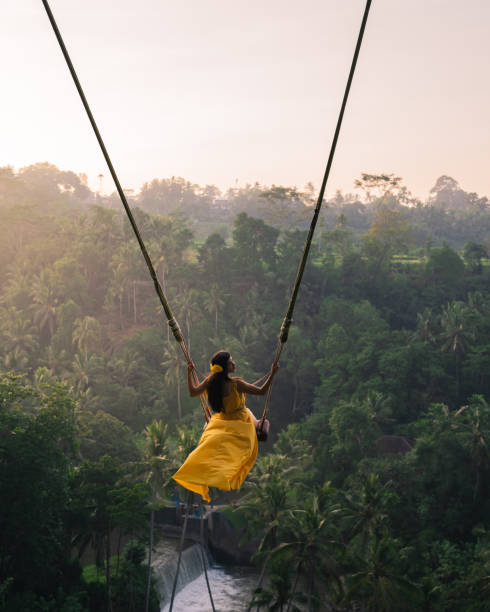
(172, 364)
(83, 369)
(17, 289)
(86, 334)
(376, 582)
(155, 462)
(15, 359)
(477, 304)
(188, 311)
(128, 266)
(45, 302)
(456, 335)
(426, 327)
(18, 338)
(94, 485)
(378, 407)
(279, 592)
(267, 500)
(313, 545)
(472, 422)
(115, 292)
(126, 366)
(17, 331)
(252, 332)
(483, 582)
(213, 303)
(106, 225)
(267, 496)
(364, 515)
(187, 442)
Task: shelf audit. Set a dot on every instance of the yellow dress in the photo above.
(226, 451)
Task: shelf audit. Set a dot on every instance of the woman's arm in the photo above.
(245, 387)
(195, 388)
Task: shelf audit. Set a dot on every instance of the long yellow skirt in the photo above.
(224, 456)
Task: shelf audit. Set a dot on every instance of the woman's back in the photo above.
(233, 400)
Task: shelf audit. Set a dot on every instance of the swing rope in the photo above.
(283, 336)
(181, 548)
(204, 555)
(172, 322)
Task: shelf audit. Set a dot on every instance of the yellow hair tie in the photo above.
(215, 368)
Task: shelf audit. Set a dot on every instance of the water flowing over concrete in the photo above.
(165, 565)
(231, 586)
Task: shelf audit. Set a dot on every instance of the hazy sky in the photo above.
(218, 91)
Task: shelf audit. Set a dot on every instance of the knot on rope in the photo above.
(283, 335)
(174, 326)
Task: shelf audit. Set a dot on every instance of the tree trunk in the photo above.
(118, 551)
(261, 579)
(150, 549)
(179, 403)
(131, 582)
(310, 593)
(108, 571)
(458, 378)
(134, 302)
(296, 578)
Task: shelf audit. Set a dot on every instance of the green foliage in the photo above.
(37, 438)
(103, 434)
(128, 583)
(445, 272)
(473, 254)
(383, 390)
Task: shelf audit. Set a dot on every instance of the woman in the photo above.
(228, 446)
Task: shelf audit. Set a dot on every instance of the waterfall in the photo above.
(165, 566)
(231, 586)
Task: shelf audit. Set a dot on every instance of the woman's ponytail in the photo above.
(219, 368)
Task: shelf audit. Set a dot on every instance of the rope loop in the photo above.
(284, 332)
(174, 326)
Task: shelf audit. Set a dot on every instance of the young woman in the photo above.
(228, 446)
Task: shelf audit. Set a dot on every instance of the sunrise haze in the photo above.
(219, 92)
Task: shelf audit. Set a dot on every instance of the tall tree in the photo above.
(45, 302)
(172, 362)
(155, 462)
(87, 335)
(456, 335)
(213, 303)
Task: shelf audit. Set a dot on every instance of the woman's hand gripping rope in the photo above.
(195, 389)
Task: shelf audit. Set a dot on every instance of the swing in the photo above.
(262, 427)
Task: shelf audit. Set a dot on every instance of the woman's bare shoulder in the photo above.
(242, 385)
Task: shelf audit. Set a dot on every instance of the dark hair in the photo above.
(215, 385)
